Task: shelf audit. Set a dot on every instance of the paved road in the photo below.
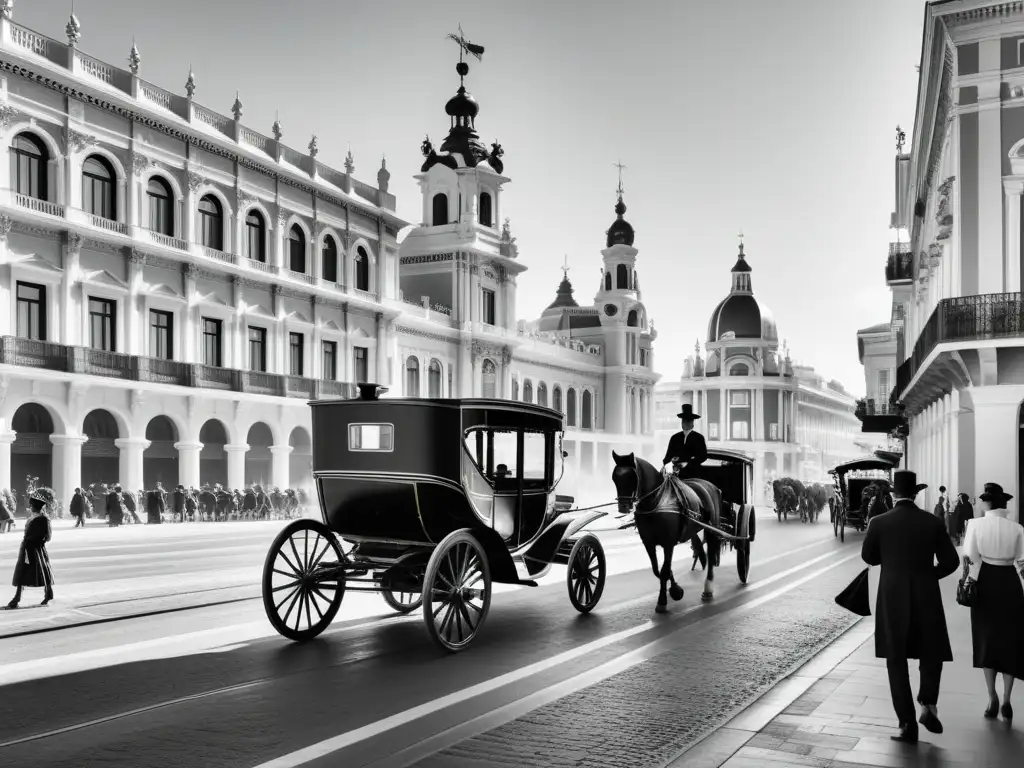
(541, 685)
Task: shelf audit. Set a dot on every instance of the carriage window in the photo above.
(505, 466)
(534, 454)
(371, 437)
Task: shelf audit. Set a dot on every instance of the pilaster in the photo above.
(236, 465)
(188, 463)
(67, 466)
(6, 439)
(279, 465)
(131, 461)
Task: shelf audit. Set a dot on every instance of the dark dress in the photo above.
(154, 507)
(33, 566)
(114, 511)
(997, 617)
(910, 622)
(691, 450)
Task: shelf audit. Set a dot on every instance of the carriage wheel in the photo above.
(743, 560)
(586, 574)
(299, 602)
(842, 526)
(403, 602)
(835, 524)
(456, 591)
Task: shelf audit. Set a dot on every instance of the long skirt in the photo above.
(997, 621)
(33, 568)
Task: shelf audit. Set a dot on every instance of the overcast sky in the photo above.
(774, 118)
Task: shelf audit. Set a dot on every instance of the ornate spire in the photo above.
(566, 267)
(134, 59)
(236, 108)
(621, 231)
(901, 139)
(313, 148)
(190, 84)
(276, 127)
(350, 164)
(73, 29)
(383, 175)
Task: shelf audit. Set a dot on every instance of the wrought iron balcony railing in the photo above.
(58, 357)
(900, 265)
(964, 318)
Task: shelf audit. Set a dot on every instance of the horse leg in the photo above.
(698, 552)
(674, 590)
(653, 555)
(709, 581)
(663, 577)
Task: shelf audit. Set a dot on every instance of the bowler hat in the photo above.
(994, 492)
(905, 485)
(687, 412)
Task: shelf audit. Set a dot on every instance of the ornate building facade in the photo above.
(175, 286)
(753, 399)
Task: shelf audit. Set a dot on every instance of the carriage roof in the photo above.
(729, 456)
(862, 464)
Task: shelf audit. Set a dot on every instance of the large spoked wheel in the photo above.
(456, 591)
(842, 525)
(403, 602)
(301, 597)
(586, 574)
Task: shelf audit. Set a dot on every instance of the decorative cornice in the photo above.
(549, 366)
(195, 181)
(190, 269)
(137, 257)
(430, 258)
(291, 293)
(7, 115)
(101, 245)
(994, 12)
(79, 141)
(141, 162)
(159, 261)
(244, 198)
(425, 334)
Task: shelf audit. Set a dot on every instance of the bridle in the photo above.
(629, 503)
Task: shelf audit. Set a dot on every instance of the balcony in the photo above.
(879, 416)
(900, 266)
(47, 355)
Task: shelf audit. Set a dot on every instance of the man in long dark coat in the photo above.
(687, 451)
(115, 515)
(909, 619)
(154, 506)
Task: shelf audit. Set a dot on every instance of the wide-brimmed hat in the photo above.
(44, 496)
(687, 412)
(994, 492)
(905, 485)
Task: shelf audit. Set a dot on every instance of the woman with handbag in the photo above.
(997, 604)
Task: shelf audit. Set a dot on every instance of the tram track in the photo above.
(355, 654)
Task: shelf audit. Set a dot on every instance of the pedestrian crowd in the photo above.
(916, 549)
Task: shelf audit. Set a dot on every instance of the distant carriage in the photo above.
(429, 502)
(850, 480)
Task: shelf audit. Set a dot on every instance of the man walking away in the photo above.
(910, 622)
(77, 507)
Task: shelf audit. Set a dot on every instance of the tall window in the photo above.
(485, 210)
(29, 166)
(255, 236)
(434, 379)
(440, 204)
(31, 311)
(161, 334)
(296, 249)
(542, 394)
(257, 349)
(329, 260)
(587, 419)
(412, 377)
(330, 361)
(528, 391)
(556, 399)
(362, 269)
(883, 386)
(103, 324)
(622, 277)
(161, 217)
(361, 364)
(211, 223)
(489, 378)
(212, 342)
(295, 344)
(488, 306)
(570, 408)
(98, 188)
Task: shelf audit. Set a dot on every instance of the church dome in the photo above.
(739, 315)
(621, 231)
(462, 104)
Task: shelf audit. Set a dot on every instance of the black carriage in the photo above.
(850, 480)
(429, 502)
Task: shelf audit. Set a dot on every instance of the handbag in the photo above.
(967, 588)
(856, 598)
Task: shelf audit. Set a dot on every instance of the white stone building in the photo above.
(175, 286)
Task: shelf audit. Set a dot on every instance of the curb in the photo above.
(718, 746)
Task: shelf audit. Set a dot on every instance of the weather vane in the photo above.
(465, 47)
(620, 166)
(901, 139)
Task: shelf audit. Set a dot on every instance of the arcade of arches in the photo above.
(38, 446)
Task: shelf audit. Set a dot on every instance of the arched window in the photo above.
(29, 160)
(362, 269)
(515, 389)
(412, 377)
(296, 249)
(570, 408)
(440, 209)
(255, 236)
(542, 394)
(329, 261)
(556, 399)
(489, 378)
(485, 210)
(740, 369)
(434, 379)
(211, 223)
(622, 277)
(607, 281)
(528, 391)
(588, 421)
(161, 211)
(633, 320)
(98, 188)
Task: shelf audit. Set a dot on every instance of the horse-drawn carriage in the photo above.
(429, 502)
(850, 480)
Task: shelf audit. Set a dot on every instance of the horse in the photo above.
(638, 485)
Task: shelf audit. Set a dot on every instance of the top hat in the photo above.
(905, 485)
(994, 492)
(687, 412)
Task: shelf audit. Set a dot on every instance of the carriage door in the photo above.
(537, 463)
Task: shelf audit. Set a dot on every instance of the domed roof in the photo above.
(621, 231)
(462, 104)
(564, 296)
(739, 313)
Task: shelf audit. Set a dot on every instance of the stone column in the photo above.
(72, 332)
(191, 331)
(130, 461)
(236, 465)
(506, 376)
(6, 439)
(279, 465)
(135, 321)
(188, 463)
(954, 441)
(382, 357)
(723, 407)
(67, 466)
(465, 368)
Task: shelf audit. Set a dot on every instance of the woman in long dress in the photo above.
(33, 566)
(997, 616)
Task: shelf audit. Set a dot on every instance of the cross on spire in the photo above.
(565, 267)
(620, 166)
(741, 241)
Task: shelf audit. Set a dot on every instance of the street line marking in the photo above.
(344, 740)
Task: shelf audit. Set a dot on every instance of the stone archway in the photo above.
(32, 451)
(258, 459)
(213, 459)
(160, 459)
(100, 456)
(300, 460)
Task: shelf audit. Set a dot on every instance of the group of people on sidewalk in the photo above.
(915, 551)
